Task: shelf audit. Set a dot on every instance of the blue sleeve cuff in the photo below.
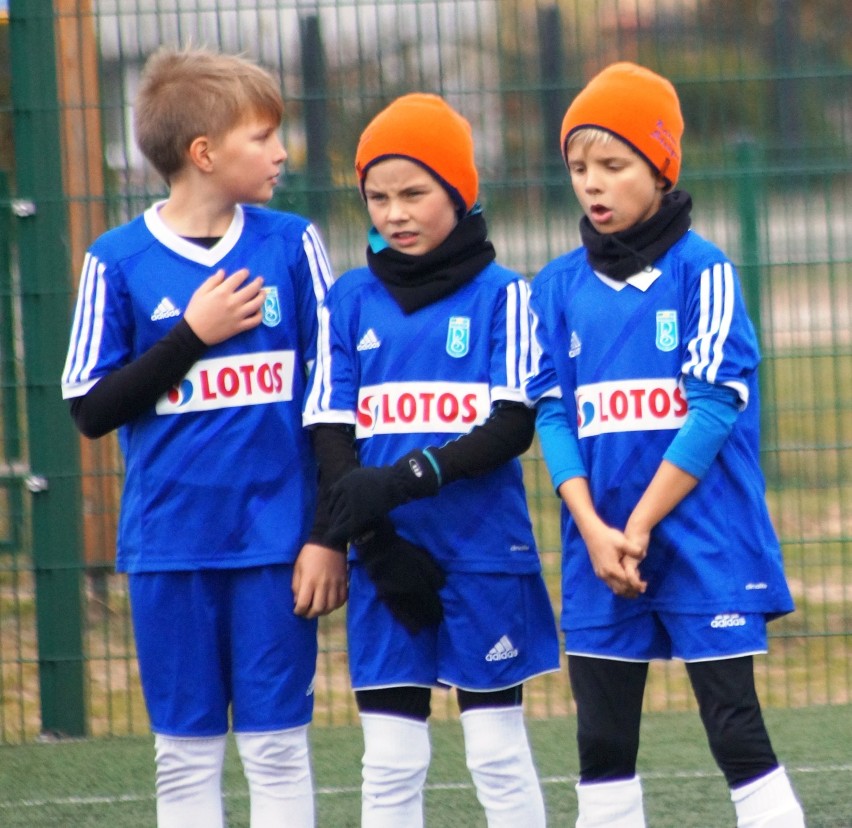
(559, 444)
(713, 410)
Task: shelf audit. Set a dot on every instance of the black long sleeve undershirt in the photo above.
(507, 433)
(134, 388)
(336, 454)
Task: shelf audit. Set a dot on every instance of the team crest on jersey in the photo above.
(458, 336)
(667, 333)
(271, 307)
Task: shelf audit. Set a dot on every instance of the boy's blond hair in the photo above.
(589, 135)
(191, 92)
(636, 105)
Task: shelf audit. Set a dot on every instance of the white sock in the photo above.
(768, 802)
(501, 765)
(277, 767)
(189, 782)
(396, 759)
(611, 804)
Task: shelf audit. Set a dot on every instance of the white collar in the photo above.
(641, 280)
(194, 252)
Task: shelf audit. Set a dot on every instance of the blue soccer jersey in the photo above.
(617, 353)
(219, 473)
(412, 381)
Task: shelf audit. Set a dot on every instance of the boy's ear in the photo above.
(199, 153)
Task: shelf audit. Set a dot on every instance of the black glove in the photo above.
(406, 577)
(361, 498)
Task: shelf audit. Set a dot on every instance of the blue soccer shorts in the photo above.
(498, 631)
(666, 635)
(215, 641)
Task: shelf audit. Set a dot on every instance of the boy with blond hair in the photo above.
(194, 332)
(648, 414)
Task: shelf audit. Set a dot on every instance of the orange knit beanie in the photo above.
(637, 105)
(425, 129)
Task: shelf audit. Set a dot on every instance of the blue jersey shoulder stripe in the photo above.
(707, 349)
(517, 338)
(87, 328)
(321, 271)
(319, 393)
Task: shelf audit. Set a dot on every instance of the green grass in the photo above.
(109, 782)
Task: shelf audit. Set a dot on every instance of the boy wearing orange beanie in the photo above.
(418, 418)
(648, 414)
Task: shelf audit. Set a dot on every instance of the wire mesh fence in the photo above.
(766, 96)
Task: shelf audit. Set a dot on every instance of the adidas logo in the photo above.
(726, 619)
(165, 310)
(502, 650)
(575, 346)
(369, 341)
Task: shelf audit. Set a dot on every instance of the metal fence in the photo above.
(766, 93)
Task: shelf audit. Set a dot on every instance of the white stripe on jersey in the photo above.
(512, 334)
(320, 392)
(321, 271)
(87, 330)
(727, 313)
(70, 357)
(517, 337)
(535, 349)
(524, 296)
(716, 310)
(322, 276)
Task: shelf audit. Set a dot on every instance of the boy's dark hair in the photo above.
(191, 92)
(423, 128)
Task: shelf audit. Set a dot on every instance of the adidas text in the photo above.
(502, 650)
(165, 310)
(727, 620)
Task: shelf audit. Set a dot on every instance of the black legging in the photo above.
(609, 697)
(415, 702)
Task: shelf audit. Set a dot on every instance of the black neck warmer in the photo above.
(418, 281)
(619, 255)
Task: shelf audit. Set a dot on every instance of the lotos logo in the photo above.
(629, 405)
(232, 381)
(416, 407)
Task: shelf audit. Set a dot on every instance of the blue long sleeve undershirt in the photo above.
(713, 410)
(559, 444)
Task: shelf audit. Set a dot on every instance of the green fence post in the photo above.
(749, 240)
(748, 200)
(10, 448)
(53, 444)
(552, 68)
(317, 127)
